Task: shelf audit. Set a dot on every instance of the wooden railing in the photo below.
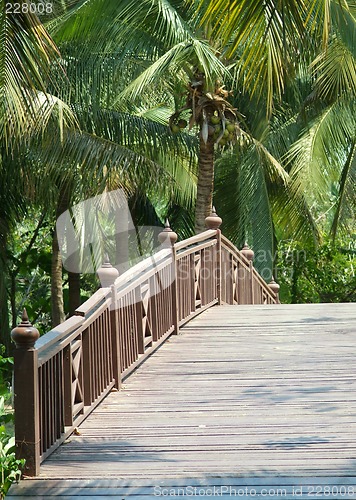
(61, 377)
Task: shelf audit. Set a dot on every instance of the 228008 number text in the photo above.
(32, 8)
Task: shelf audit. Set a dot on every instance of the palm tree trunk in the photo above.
(56, 284)
(73, 263)
(57, 303)
(74, 292)
(122, 240)
(205, 183)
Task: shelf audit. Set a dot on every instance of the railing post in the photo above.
(107, 275)
(249, 254)
(275, 289)
(26, 397)
(167, 238)
(213, 221)
(218, 266)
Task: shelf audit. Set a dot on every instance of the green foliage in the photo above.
(291, 175)
(10, 467)
(26, 53)
(29, 264)
(6, 366)
(325, 274)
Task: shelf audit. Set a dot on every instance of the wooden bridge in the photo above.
(250, 400)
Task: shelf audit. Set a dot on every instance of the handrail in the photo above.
(92, 303)
(74, 366)
(60, 331)
(198, 238)
(142, 267)
(233, 249)
(142, 271)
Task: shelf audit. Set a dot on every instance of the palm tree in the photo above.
(324, 152)
(26, 53)
(172, 56)
(322, 34)
(253, 45)
(253, 186)
(98, 146)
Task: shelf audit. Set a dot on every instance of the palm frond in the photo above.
(198, 53)
(318, 153)
(269, 39)
(26, 53)
(119, 22)
(343, 18)
(158, 114)
(346, 201)
(335, 70)
(242, 202)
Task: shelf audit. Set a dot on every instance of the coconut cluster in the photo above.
(177, 126)
(210, 111)
(223, 131)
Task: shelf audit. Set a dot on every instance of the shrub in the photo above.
(10, 467)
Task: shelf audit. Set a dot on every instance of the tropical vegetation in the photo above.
(246, 105)
(10, 466)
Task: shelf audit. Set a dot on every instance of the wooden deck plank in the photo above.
(247, 395)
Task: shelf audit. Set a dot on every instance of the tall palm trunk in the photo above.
(57, 303)
(74, 292)
(73, 263)
(122, 240)
(205, 183)
(56, 284)
(58, 314)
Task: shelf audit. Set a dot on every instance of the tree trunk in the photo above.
(205, 183)
(73, 263)
(57, 303)
(122, 239)
(74, 292)
(56, 284)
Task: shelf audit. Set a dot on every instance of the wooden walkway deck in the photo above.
(252, 398)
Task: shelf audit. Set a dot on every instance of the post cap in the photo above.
(247, 252)
(107, 273)
(274, 286)
(24, 334)
(167, 236)
(213, 221)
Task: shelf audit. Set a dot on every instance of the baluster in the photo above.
(139, 317)
(153, 307)
(249, 254)
(67, 386)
